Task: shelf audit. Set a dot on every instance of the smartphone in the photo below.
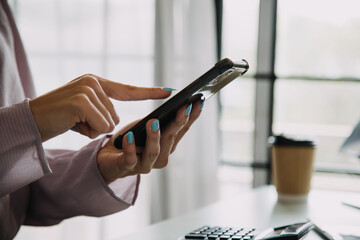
(202, 88)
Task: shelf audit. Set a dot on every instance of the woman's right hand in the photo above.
(84, 105)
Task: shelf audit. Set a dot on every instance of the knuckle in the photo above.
(180, 122)
(105, 128)
(84, 76)
(130, 87)
(154, 136)
(163, 163)
(93, 135)
(172, 137)
(87, 90)
(146, 170)
(130, 90)
(89, 80)
(153, 154)
(130, 151)
(79, 100)
(111, 128)
(101, 128)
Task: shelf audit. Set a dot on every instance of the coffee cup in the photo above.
(292, 166)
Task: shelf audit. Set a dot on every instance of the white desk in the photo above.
(258, 208)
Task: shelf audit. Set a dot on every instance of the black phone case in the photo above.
(201, 89)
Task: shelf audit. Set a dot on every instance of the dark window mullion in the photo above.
(219, 20)
(265, 78)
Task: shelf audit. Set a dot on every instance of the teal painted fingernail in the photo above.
(155, 125)
(202, 105)
(130, 137)
(188, 110)
(73, 129)
(169, 89)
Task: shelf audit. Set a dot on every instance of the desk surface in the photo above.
(258, 208)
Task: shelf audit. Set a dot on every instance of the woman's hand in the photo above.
(84, 105)
(114, 163)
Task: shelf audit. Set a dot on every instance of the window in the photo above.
(317, 93)
(316, 82)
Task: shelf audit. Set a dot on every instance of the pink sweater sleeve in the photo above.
(22, 157)
(63, 183)
(76, 187)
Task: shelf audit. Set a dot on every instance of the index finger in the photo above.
(125, 92)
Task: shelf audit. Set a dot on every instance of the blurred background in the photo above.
(304, 81)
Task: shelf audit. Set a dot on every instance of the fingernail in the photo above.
(73, 129)
(202, 105)
(188, 110)
(130, 137)
(155, 125)
(169, 89)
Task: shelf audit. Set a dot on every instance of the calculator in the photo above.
(295, 231)
(221, 233)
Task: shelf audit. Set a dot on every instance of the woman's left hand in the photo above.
(131, 160)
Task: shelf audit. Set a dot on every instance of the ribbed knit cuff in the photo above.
(21, 152)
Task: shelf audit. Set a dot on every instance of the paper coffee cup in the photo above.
(292, 167)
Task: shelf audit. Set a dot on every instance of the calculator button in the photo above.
(213, 237)
(227, 234)
(225, 237)
(195, 236)
(237, 237)
(247, 238)
(242, 232)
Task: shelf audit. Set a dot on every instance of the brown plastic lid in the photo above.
(281, 140)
